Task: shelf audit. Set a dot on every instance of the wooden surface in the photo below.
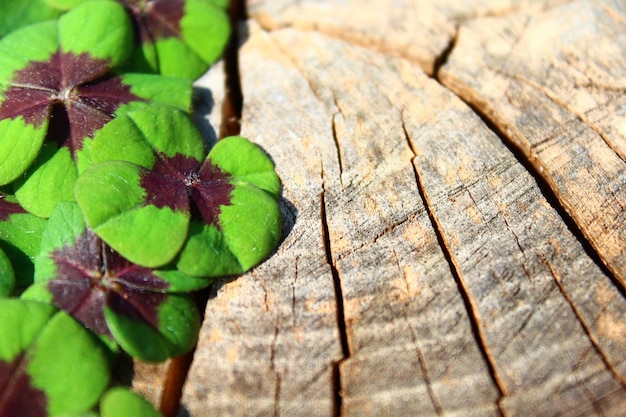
(455, 227)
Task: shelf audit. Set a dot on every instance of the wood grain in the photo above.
(555, 84)
(417, 30)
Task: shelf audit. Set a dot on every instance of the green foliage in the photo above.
(121, 402)
(112, 210)
(15, 14)
(42, 367)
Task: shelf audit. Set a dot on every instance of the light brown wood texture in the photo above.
(417, 30)
(454, 183)
(556, 86)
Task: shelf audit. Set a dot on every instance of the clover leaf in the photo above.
(135, 306)
(245, 227)
(41, 68)
(7, 277)
(39, 368)
(178, 37)
(20, 237)
(144, 190)
(57, 85)
(122, 402)
(15, 14)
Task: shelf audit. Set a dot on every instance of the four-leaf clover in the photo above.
(144, 190)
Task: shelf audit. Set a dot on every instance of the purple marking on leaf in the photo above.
(164, 191)
(179, 166)
(79, 69)
(78, 288)
(73, 91)
(106, 94)
(172, 182)
(83, 298)
(91, 276)
(8, 208)
(139, 306)
(210, 192)
(17, 395)
(165, 184)
(33, 105)
(41, 75)
(157, 19)
(163, 17)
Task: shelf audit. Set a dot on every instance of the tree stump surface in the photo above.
(454, 191)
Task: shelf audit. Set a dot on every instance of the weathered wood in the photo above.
(536, 295)
(555, 82)
(424, 270)
(394, 277)
(417, 30)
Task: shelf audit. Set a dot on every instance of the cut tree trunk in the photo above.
(454, 192)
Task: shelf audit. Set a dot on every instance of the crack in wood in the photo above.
(336, 137)
(423, 365)
(293, 291)
(339, 299)
(444, 55)
(470, 304)
(389, 229)
(526, 156)
(277, 383)
(552, 96)
(588, 332)
(519, 246)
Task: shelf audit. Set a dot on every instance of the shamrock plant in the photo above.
(35, 374)
(20, 238)
(180, 38)
(113, 210)
(146, 188)
(38, 379)
(58, 89)
(142, 310)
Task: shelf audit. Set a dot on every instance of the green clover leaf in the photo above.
(16, 14)
(248, 227)
(20, 237)
(144, 190)
(38, 367)
(133, 196)
(122, 402)
(178, 37)
(133, 305)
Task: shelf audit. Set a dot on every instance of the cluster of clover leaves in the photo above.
(112, 208)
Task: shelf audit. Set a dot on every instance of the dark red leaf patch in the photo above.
(178, 181)
(8, 208)
(72, 91)
(210, 192)
(157, 19)
(92, 276)
(17, 396)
